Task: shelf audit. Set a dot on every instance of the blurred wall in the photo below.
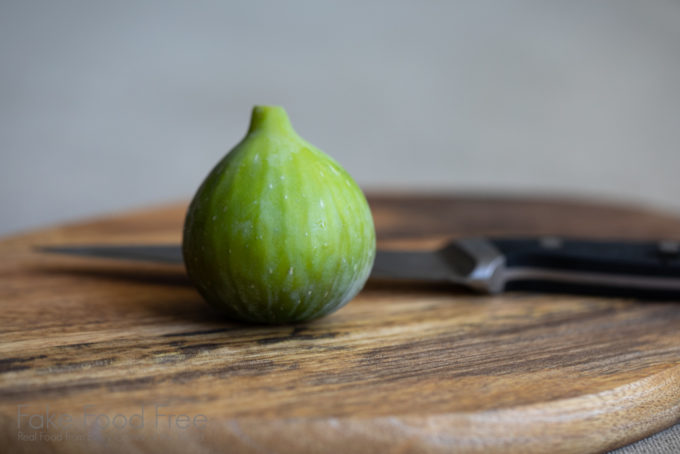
(111, 105)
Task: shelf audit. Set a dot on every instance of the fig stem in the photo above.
(270, 118)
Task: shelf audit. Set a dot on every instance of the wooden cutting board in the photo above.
(117, 347)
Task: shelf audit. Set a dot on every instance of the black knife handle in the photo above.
(587, 266)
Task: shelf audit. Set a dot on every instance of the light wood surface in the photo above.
(403, 368)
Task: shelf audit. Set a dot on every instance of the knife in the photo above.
(493, 265)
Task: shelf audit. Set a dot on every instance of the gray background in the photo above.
(111, 105)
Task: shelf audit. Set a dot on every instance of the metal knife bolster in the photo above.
(477, 264)
(551, 263)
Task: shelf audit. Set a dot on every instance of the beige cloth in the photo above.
(665, 442)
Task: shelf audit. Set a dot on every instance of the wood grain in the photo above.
(402, 368)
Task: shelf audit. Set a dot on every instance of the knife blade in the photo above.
(493, 265)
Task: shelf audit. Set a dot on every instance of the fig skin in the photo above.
(278, 232)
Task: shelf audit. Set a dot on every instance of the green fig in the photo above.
(278, 232)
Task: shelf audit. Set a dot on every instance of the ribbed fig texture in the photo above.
(278, 232)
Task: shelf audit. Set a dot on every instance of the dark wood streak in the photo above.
(198, 333)
(193, 350)
(77, 346)
(296, 337)
(242, 368)
(17, 363)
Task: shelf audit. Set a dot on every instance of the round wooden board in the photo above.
(403, 368)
